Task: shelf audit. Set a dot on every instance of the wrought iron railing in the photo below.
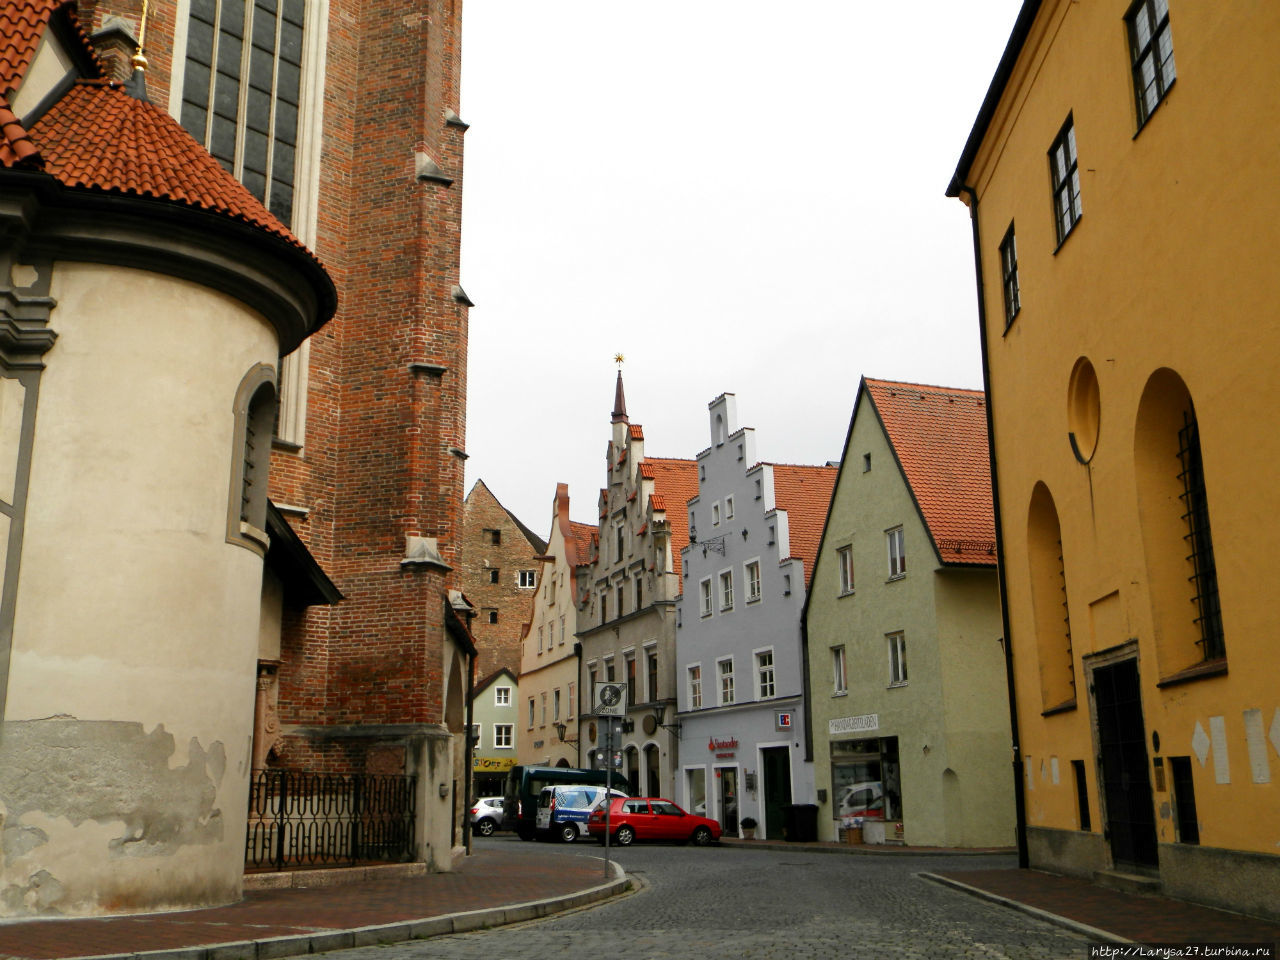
(299, 819)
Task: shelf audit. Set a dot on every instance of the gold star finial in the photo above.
(618, 359)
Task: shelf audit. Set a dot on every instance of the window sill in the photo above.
(753, 599)
(1201, 671)
(846, 593)
(840, 693)
(895, 577)
(899, 683)
(1064, 707)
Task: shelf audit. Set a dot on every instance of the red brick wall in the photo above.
(499, 644)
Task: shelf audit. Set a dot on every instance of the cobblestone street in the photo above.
(721, 902)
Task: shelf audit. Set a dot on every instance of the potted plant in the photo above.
(749, 828)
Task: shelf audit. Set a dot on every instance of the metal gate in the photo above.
(299, 819)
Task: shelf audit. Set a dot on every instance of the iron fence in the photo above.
(299, 819)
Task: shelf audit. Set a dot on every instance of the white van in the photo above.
(563, 810)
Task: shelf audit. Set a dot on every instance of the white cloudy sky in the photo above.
(737, 196)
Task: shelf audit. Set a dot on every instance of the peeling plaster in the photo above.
(112, 773)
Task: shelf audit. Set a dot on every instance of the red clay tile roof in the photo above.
(805, 493)
(22, 24)
(940, 437)
(582, 536)
(674, 482)
(97, 137)
(637, 431)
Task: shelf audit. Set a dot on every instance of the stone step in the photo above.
(1127, 882)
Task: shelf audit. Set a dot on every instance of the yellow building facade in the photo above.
(1121, 179)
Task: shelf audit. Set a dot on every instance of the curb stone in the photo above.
(272, 948)
(1075, 926)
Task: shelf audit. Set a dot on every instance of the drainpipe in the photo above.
(467, 759)
(577, 652)
(1019, 786)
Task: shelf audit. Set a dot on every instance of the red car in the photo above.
(651, 818)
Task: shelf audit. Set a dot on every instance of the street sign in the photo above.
(610, 700)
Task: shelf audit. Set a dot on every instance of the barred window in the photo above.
(1200, 540)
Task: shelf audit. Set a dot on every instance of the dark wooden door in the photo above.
(1126, 782)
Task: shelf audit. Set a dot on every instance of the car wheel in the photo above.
(701, 837)
(568, 832)
(485, 827)
(625, 837)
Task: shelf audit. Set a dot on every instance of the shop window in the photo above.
(866, 779)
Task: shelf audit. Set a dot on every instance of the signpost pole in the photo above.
(608, 783)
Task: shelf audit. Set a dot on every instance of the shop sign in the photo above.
(782, 720)
(492, 764)
(723, 749)
(867, 723)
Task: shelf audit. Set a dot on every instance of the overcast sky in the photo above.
(740, 197)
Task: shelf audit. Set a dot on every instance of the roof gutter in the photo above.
(1004, 70)
(1019, 786)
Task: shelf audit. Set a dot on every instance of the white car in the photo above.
(486, 815)
(862, 800)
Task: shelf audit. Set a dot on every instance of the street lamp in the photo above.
(560, 732)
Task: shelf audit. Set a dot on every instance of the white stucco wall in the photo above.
(136, 625)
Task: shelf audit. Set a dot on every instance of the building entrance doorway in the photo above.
(775, 762)
(1126, 785)
(727, 779)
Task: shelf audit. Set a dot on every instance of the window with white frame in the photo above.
(839, 672)
(766, 686)
(695, 687)
(897, 658)
(555, 705)
(726, 590)
(562, 631)
(503, 736)
(502, 696)
(897, 553)
(715, 514)
(704, 593)
(573, 696)
(539, 639)
(544, 710)
(728, 508)
(845, 556)
(751, 572)
(725, 668)
(531, 708)
(528, 579)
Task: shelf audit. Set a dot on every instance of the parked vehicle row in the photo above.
(563, 811)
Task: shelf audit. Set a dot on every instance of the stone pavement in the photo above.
(507, 882)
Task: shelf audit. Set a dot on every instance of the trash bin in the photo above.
(801, 822)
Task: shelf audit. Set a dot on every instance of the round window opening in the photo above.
(1083, 410)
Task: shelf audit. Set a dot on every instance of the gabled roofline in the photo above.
(1004, 70)
(491, 678)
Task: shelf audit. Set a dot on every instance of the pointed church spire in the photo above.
(619, 399)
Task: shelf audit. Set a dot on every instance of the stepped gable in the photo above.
(805, 493)
(939, 436)
(675, 482)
